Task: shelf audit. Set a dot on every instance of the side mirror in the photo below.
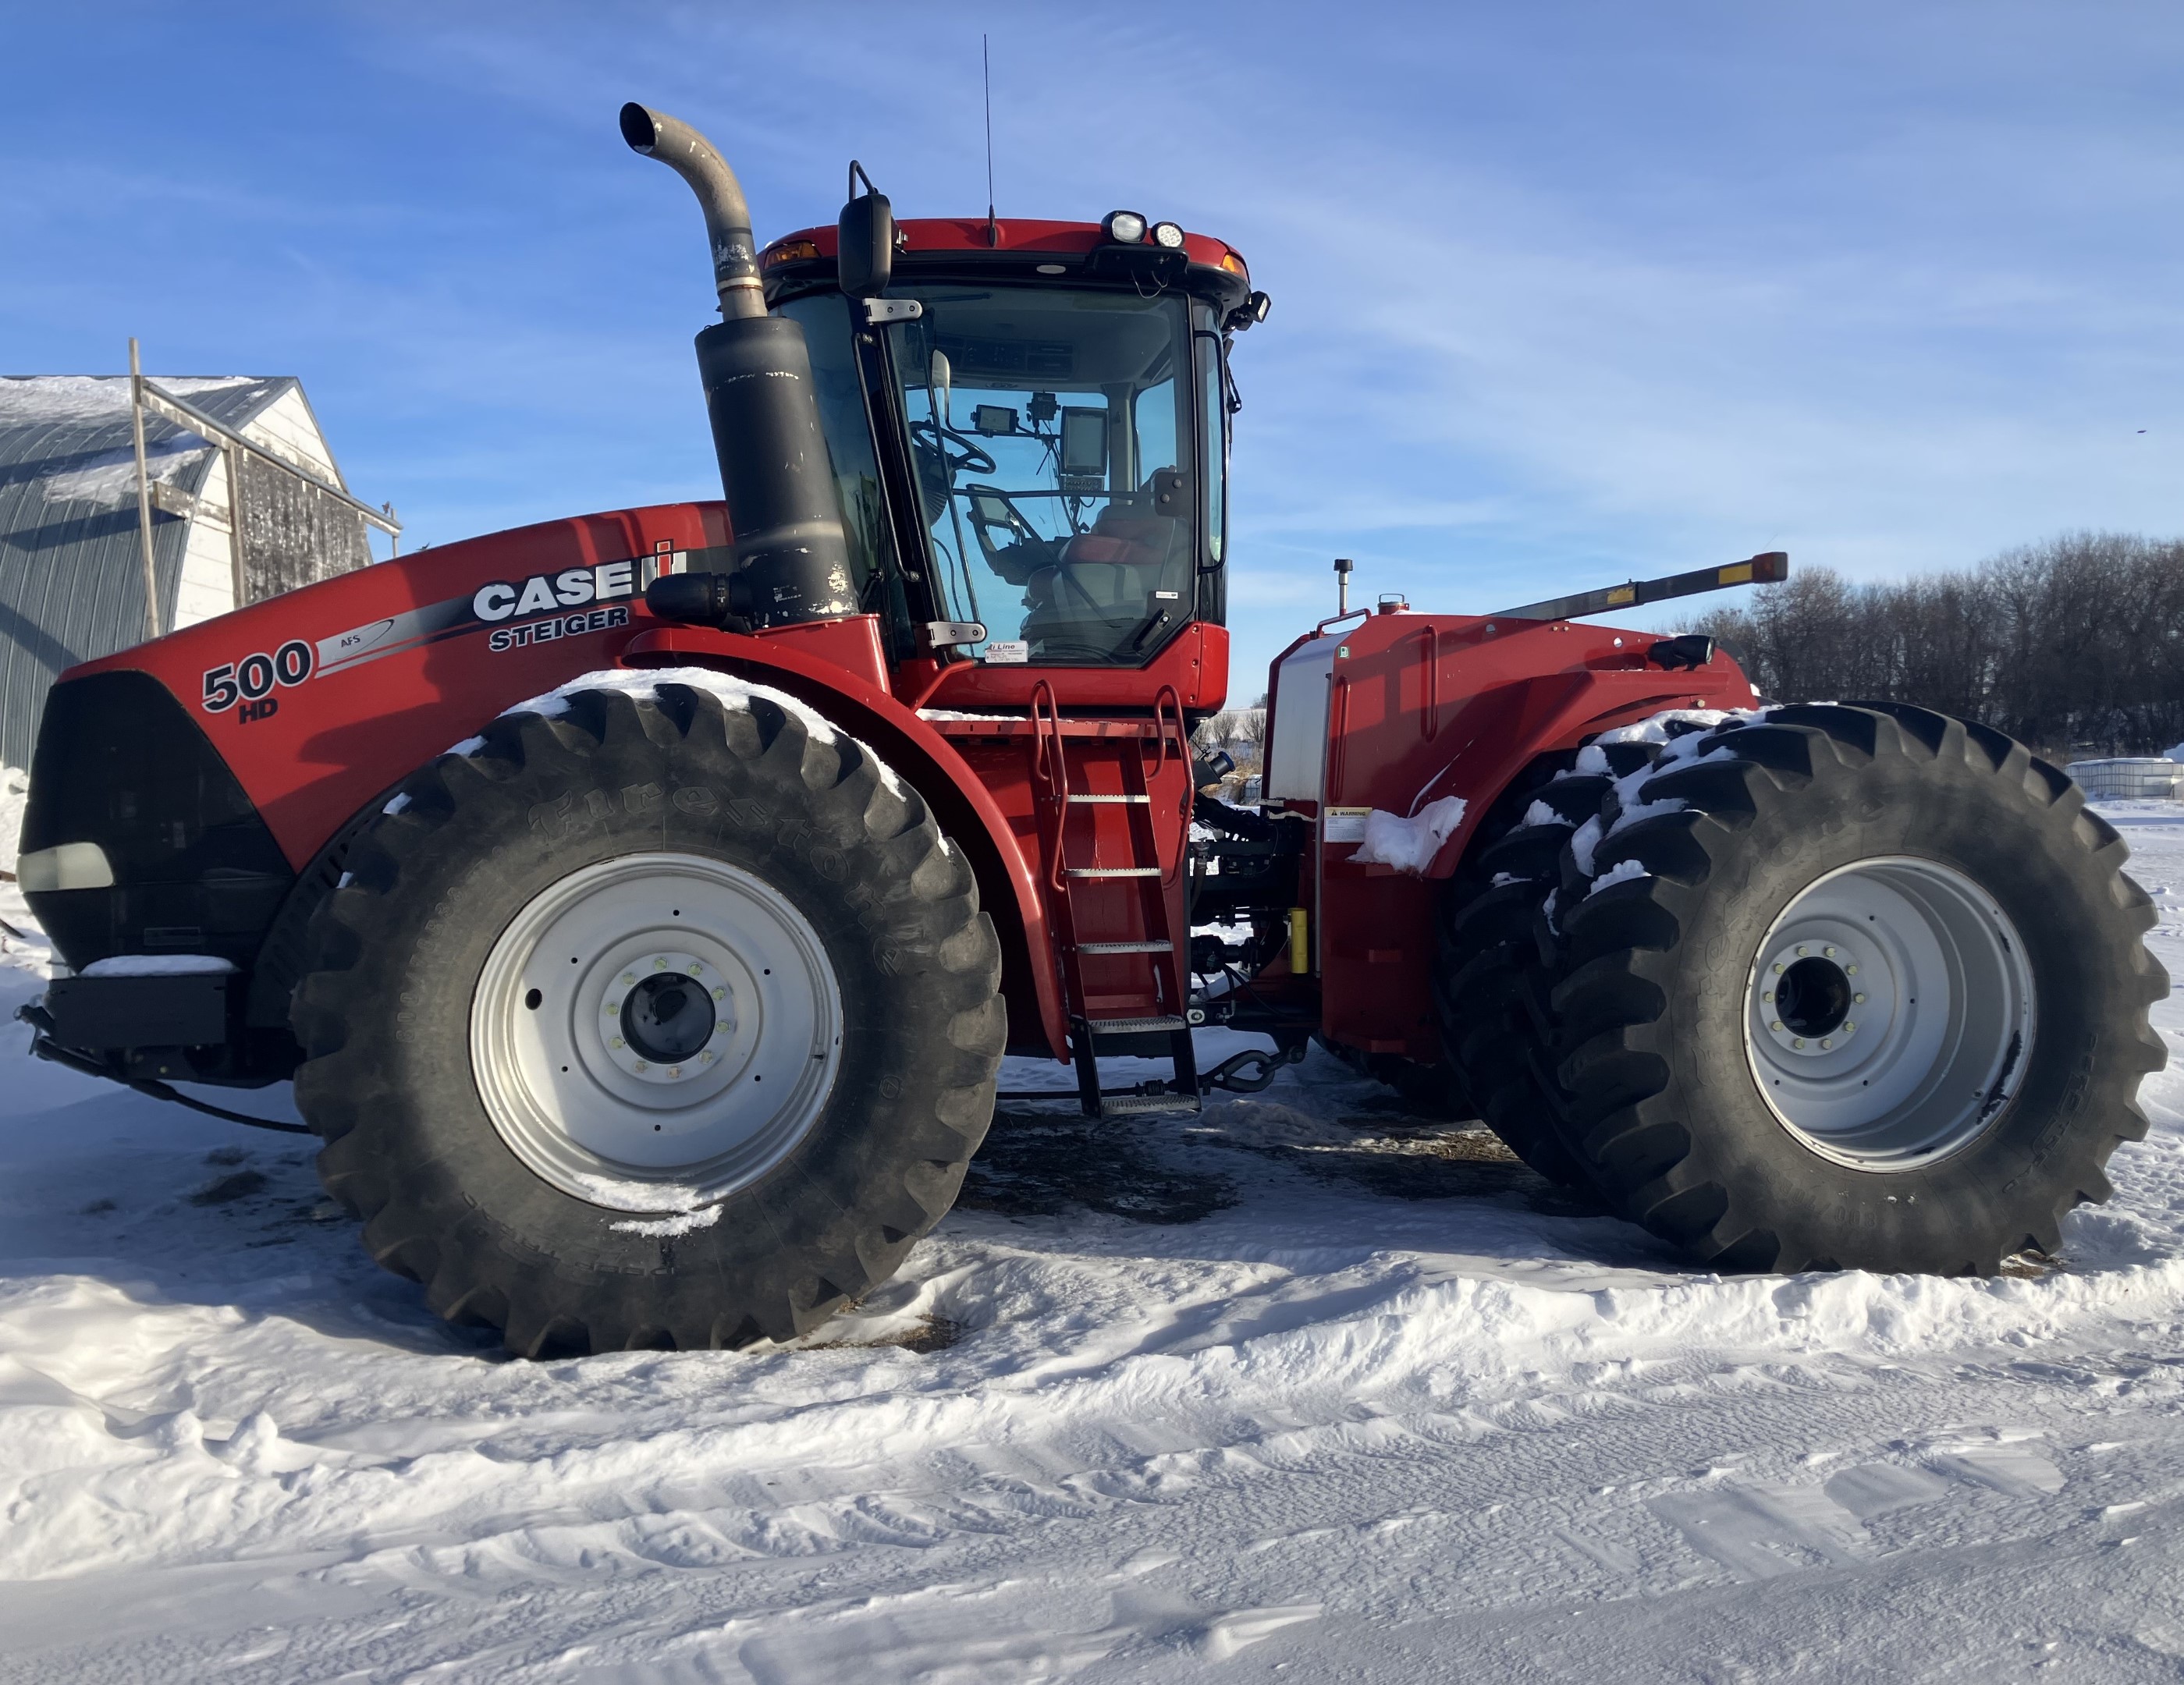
(864, 240)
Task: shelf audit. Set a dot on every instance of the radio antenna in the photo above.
(986, 65)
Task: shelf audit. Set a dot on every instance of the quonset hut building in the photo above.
(71, 560)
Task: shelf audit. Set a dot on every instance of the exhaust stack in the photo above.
(691, 156)
(792, 557)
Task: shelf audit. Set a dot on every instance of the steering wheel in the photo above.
(960, 451)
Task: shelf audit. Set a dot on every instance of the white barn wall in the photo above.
(286, 427)
(207, 588)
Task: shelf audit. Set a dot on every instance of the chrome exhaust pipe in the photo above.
(691, 156)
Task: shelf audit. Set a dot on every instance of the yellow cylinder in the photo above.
(1300, 942)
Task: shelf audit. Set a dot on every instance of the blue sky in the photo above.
(1563, 292)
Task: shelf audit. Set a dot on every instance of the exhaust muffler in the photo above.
(792, 556)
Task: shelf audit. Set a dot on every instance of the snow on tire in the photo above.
(660, 1015)
(1849, 986)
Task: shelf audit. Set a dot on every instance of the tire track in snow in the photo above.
(1156, 1446)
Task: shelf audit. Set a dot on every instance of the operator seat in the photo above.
(1087, 606)
(1124, 555)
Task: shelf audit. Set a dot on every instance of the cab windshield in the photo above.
(1057, 466)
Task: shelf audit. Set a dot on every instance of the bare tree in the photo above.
(2076, 645)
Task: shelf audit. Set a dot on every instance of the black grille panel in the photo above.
(120, 764)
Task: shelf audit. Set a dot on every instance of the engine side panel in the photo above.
(278, 727)
(320, 698)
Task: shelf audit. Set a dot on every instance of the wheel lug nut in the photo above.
(1775, 1024)
(1848, 1026)
(1825, 1043)
(1768, 995)
(1796, 1041)
(1859, 999)
(1850, 970)
(1829, 952)
(1778, 970)
(1801, 949)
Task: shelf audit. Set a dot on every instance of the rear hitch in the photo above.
(1251, 1070)
(1242, 1073)
(43, 1046)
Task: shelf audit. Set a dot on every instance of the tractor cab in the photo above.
(1027, 424)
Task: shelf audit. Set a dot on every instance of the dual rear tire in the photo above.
(1855, 986)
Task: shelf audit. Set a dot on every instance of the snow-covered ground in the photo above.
(1310, 1391)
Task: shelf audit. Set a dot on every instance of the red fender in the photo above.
(1008, 882)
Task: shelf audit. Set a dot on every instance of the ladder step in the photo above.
(1134, 1026)
(1138, 1105)
(1112, 871)
(1139, 801)
(1125, 947)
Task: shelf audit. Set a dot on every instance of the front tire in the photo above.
(1850, 987)
(662, 1020)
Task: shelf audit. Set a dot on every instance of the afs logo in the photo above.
(250, 681)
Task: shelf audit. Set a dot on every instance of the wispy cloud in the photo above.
(1563, 294)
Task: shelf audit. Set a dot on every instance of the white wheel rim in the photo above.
(654, 1031)
(1889, 1014)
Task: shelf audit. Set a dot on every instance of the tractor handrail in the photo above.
(1167, 709)
(1049, 762)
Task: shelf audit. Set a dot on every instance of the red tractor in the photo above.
(641, 904)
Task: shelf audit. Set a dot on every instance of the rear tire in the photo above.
(578, 1156)
(1938, 1111)
(1486, 969)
